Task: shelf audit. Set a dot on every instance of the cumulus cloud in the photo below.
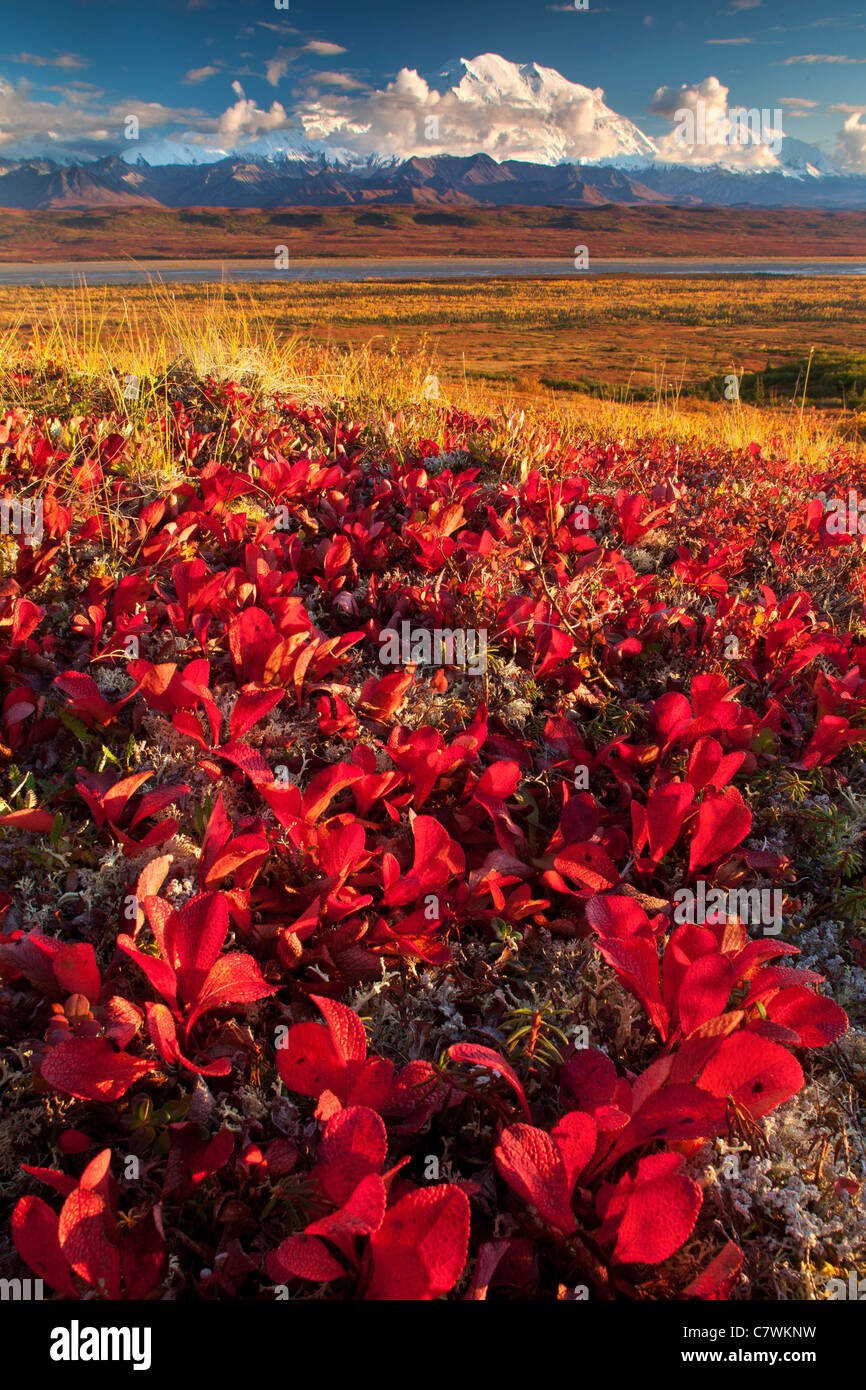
(713, 133)
(245, 120)
(851, 144)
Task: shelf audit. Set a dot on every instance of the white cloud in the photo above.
(326, 50)
(851, 144)
(196, 75)
(75, 125)
(711, 114)
(339, 79)
(245, 120)
(810, 59)
(276, 70)
(70, 61)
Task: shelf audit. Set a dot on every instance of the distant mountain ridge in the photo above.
(436, 180)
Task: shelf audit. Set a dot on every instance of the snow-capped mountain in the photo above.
(563, 114)
(484, 131)
(282, 146)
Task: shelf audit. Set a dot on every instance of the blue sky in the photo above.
(77, 67)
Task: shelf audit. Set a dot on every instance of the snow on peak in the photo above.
(482, 105)
(552, 120)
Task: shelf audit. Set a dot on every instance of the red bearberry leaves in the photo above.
(419, 1251)
(756, 1073)
(660, 1211)
(90, 1069)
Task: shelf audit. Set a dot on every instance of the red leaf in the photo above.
(437, 856)
(419, 1251)
(589, 1078)
(362, 1214)
(486, 1057)
(500, 781)
(253, 703)
(61, 1182)
(143, 1258)
(719, 1277)
(76, 970)
(380, 699)
(345, 1027)
(589, 865)
(73, 1141)
(817, 1019)
(531, 1163)
(308, 1063)
(672, 1113)
(325, 786)
(160, 975)
(235, 979)
(251, 763)
(252, 637)
(40, 821)
(90, 1069)
(163, 1033)
(115, 800)
(704, 991)
(660, 1212)
(722, 822)
(156, 801)
(340, 848)
(82, 1239)
(617, 916)
(575, 1137)
(194, 937)
(353, 1147)
(34, 1231)
(303, 1257)
(665, 812)
(755, 1072)
(635, 961)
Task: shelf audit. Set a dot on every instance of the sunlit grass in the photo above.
(105, 339)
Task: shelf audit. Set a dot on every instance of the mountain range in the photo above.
(436, 181)
(502, 134)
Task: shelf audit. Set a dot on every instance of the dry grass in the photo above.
(158, 333)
